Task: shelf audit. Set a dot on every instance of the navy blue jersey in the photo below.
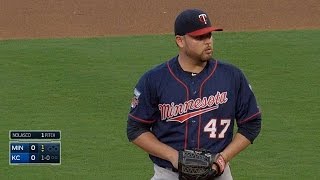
(189, 111)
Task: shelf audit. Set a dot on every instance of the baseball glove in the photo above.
(197, 165)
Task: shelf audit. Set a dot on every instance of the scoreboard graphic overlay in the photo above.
(33, 147)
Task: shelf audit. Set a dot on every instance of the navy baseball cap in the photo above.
(193, 22)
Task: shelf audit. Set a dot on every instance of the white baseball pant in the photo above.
(167, 174)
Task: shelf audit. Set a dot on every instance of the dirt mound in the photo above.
(65, 18)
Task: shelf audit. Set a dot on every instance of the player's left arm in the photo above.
(248, 117)
(242, 139)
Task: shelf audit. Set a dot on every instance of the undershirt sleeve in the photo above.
(136, 128)
(250, 129)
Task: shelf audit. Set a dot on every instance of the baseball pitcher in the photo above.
(183, 111)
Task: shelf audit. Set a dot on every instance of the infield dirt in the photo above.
(86, 18)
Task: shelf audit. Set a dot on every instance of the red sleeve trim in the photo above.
(142, 120)
(249, 118)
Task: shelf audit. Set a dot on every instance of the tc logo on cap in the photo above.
(203, 18)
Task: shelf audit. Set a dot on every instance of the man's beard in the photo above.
(206, 56)
(203, 57)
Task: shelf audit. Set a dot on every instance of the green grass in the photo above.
(83, 87)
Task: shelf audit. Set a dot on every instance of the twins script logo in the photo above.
(181, 112)
(203, 18)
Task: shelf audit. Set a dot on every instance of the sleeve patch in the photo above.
(135, 99)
